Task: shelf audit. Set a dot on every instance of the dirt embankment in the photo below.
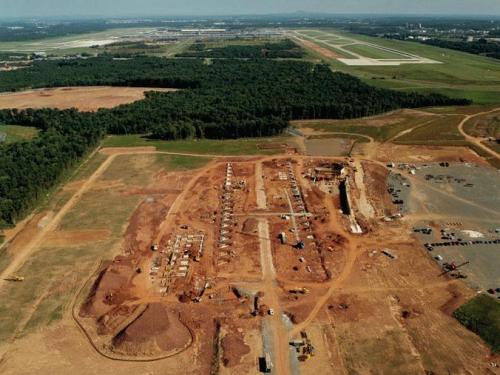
(234, 348)
(157, 330)
(87, 99)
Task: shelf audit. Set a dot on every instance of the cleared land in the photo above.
(82, 98)
(201, 301)
(249, 146)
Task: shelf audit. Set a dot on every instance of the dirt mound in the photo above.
(250, 225)
(157, 330)
(234, 348)
(109, 289)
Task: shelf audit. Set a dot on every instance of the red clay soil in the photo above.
(234, 348)
(110, 288)
(156, 330)
(250, 225)
(455, 301)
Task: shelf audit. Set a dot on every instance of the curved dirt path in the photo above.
(351, 257)
(476, 140)
(21, 256)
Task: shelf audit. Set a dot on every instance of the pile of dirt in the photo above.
(157, 330)
(109, 289)
(234, 348)
(250, 226)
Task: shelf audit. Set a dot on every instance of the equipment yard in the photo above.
(288, 263)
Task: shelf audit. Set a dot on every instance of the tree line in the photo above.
(223, 99)
(281, 49)
(479, 47)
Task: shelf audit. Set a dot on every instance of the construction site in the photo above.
(278, 264)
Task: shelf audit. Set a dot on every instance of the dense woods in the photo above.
(223, 99)
(281, 49)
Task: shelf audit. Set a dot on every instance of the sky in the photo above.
(107, 8)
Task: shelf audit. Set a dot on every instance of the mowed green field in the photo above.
(243, 146)
(459, 74)
(15, 133)
(482, 316)
(56, 271)
(373, 52)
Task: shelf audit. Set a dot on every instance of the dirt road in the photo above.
(269, 287)
(259, 187)
(165, 226)
(475, 140)
(21, 256)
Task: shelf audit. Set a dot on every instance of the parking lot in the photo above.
(460, 205)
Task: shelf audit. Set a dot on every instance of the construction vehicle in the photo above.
(300, 245)
(283, 238)
(267, 365)
(14, 278)
(298, 290)
(453, 267)
(449, 267)
(458, 275)
(308, 350)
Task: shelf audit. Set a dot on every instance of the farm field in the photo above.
(459, 74)
(82, 98)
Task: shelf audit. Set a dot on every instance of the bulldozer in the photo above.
(14, 278)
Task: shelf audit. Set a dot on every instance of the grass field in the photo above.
(440, 131)
(459, 74)
(380, 128)
(373, 53)
(484, 126)
(482, 316)
(245, 146)
(15, 133)
(54, 273)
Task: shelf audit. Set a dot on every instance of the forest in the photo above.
(282, 49)
(220, 99)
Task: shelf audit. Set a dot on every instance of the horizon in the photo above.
(192, 17)
(225, 8)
